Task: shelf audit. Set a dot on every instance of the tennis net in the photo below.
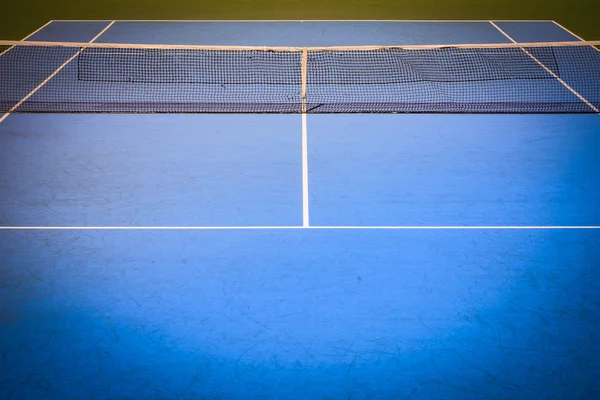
(561, 77)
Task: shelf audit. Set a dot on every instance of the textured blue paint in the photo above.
(301, 33)
(454, 169)
(536, 32)
(312, 314)
(150, 170)
(69, 31)
(301, 314)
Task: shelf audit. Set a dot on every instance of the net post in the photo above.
(304, 77)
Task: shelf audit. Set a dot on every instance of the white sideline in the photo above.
(570, 32)
(548, 70)
(322, 227)
(27, 37)
(24, 99)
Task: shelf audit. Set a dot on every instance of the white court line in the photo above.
(27, 37)
(305, 20)
(37, 30)
(590, 105)
(24, 99)
(305, 214)
(323, 227)
(568, 31)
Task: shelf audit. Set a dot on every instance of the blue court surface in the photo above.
(332, 256)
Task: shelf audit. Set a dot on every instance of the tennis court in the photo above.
(346, 255)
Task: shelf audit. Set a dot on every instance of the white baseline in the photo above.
(306, 20)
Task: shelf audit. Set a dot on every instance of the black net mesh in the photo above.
(537, 79)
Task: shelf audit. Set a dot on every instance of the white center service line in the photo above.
(590, 105)
(24, 99)
(305, 214)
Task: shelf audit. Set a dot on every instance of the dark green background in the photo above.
(23, 16)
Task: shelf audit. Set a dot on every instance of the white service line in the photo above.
(333, 227)
(24, 99)
(27, 37)
(590, 105)
(458, 227)
(568, 31)
(305, 198)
